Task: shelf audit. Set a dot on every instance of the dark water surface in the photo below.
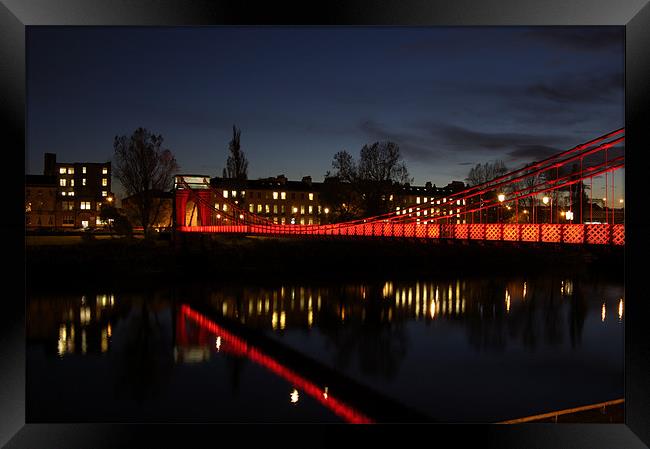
(462, 349)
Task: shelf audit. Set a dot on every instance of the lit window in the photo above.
(283, 220)
(302, 211)
(83, 182)
(282, 209)
(225, 194)
(225, 207)
(417, 200)
(84, 205)
(259, 208)
(391, 198)
(104, 171)
(311, 197)
(62, 170)
(104, 193)
(283, 195)
(70, 193)
(302, 221)
(71, 171)
(319, 208)
(275, 195)
(295, 210)
(83, 170)
(267, 208)
(63, 193)
(72, 183)
(62, 182)
(311, 221)
(311, 209)
(275, 208)
(250, 208)
(98, 221)
(104, 182)
(234, 193)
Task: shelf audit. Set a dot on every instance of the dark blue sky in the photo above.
(451, 97)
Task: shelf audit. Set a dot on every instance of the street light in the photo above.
(568, 215)
(501, 197)
(545, 200)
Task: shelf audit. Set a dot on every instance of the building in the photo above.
(277, 198)
(80, 189)
(40, 201)
(307, 202)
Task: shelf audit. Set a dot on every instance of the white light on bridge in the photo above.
(545, 200)
(569, 215)
(294, 396)
(501, 197)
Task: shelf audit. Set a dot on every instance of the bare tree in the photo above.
(143, 167)
(236, 164)
(372, 179)
(482, 173)
(382, 162)
(346, 168)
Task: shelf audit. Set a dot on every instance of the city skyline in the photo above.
(451, 97)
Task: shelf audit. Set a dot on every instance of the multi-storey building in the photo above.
(75, 193)
(281, 200)
(431, 201)
(40, 201)
(307, 202)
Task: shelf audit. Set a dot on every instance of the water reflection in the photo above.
(377, 332)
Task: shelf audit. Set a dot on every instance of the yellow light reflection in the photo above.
(84, 345)
(310, 317)
(109, 330)
(218, 343)
(432, 310)
(104, 340)
(61, 341)
(620, 309)
(283, 319)
(274, 320)
(507, 301)
(294, 396)
(602, 313)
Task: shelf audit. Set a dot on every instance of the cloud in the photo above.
(584, 39)
(533, 152)
(464, 139)
(417, 146)
(587, 89)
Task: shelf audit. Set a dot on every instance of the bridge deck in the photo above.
(595, 234)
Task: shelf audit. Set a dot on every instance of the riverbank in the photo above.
(240, 257)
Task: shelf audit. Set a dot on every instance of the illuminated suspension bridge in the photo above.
(545, 201)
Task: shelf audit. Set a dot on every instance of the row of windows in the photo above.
(64, 182)
(281, 195)
(266, 208)
(70, 170)
(83, 205)
(444, 200)
(104, 193)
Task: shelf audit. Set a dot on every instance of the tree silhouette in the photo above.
(236, 164)
(144, 167)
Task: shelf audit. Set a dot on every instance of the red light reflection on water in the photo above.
(241, 347)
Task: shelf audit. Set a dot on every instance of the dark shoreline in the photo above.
(235, 258)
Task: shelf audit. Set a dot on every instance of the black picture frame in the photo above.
(16, 15)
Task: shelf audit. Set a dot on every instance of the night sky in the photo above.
(451, 97)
